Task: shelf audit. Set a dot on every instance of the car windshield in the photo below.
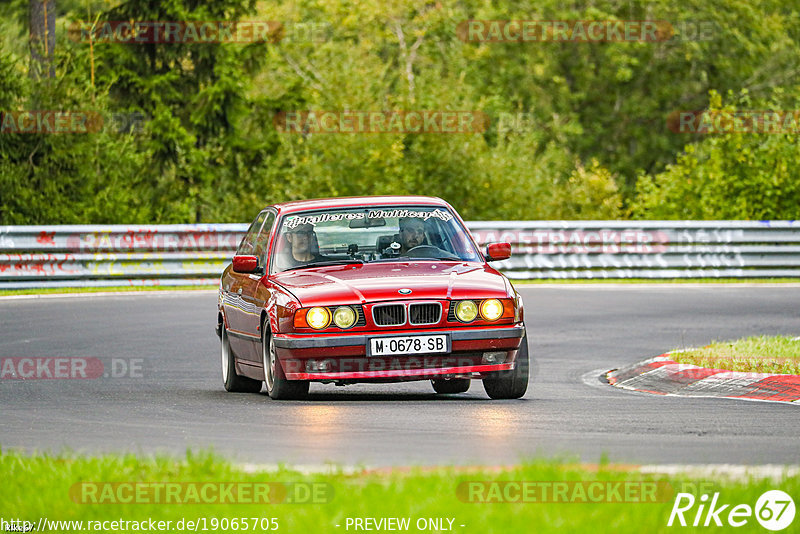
(366, 235)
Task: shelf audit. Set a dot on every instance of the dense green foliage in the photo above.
(731, 176)
(578, 130)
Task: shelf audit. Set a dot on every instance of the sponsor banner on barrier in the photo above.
(127, 240)
(22, 266)
(609, 241)
(94, 254)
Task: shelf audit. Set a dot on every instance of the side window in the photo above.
(262, 241)
(247, 246)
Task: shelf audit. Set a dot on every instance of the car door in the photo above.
(255, 294)
(234, 306)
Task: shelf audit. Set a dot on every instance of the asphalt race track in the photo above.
(176, 400)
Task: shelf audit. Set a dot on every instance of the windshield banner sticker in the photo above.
(293, 222)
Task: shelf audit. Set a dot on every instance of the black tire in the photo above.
(278, 387)
(453, 385)
(232, 381)
(510, 384)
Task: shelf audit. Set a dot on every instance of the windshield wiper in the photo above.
(324, 263)
(418, 258)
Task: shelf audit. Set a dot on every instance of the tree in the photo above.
(738, 175)
(42, 17)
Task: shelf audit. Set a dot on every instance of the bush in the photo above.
(727, 176)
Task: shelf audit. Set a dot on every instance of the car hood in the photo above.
(372, 282)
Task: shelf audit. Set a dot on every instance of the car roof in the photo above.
(354, 202)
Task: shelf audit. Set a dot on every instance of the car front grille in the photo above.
(451, 312)
(389, 314)
(425, 313)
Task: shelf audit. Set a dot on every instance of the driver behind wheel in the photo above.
(412, 233)
(302, 240)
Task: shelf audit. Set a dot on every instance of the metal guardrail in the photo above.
(116, 255)
(646, 249)
(75, 256)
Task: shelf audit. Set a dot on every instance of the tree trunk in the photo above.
(42, 14)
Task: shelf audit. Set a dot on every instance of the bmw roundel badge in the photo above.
(404, 291)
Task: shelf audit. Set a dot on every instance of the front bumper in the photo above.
(346, 355)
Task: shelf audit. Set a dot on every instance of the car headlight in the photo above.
(318, 318)
(466, 311)
(491, 309)
(344, 317)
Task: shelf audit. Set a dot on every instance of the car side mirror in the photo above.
(245, 264)
(498, 251)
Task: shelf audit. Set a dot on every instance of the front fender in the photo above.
(280, 309)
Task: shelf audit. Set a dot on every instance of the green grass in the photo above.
(62, 290)
(39, 486)
(758, 354)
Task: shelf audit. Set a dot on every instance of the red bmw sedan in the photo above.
(368, 289)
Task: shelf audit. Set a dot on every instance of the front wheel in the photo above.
(510, 384)
(232, 381)
(278, 387)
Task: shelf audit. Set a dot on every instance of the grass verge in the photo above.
(54, 488)
(757, 354)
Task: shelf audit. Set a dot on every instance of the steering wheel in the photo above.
(429, 251)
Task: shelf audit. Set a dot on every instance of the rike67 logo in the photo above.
(774, 510)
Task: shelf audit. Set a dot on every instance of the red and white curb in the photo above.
(663, 376)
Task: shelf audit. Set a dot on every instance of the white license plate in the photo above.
(382, 346)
